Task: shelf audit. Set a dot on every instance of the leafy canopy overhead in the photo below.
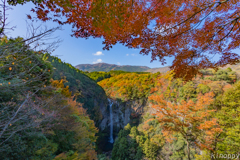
(192, 32)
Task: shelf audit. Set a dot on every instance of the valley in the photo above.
(129, 117)
(128, 125)
(121, 114)
(186, 107)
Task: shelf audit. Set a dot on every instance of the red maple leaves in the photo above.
(192, 32)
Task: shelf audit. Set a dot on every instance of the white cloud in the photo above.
(127, 54)
(133, 54)
(98, 53)
(98, 61)
(118, 63)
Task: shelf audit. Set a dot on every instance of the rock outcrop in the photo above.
(122, 112)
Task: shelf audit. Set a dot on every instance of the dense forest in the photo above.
(40, 116)
(51, 110)
(189, 120)
(85, 89)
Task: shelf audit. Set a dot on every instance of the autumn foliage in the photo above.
(40, 119)
(188, 118)
(74, 119)
(190, 31)
(129, 86)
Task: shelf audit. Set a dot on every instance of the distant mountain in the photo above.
(161, 70)
(235, 67)
(108, 67)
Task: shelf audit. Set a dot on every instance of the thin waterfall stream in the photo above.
(111, 122)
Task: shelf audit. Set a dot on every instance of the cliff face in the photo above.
(123, 113)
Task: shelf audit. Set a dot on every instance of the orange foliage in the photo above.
(226, 87)
(190, 119)
(189, 31)
(145, 127)
(207, 81)
(74, 118)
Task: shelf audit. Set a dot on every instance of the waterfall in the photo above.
(111, 121)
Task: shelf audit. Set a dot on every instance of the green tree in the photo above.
(229, 119)
(120, 150)
(150, 150)
(139, 154)
(188, 91)
(134, 132)
(202, 88)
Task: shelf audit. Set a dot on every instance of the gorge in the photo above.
(116, 115)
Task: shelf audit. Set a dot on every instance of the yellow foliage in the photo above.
(205, 156)
(60, 84)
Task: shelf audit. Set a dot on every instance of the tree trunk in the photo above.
(188, 150)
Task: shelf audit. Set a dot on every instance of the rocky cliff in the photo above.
(123, 113)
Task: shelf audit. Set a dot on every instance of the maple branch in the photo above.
(238, 26)
(222, 27)
(180, 23)
(198, 23)
(228, 32)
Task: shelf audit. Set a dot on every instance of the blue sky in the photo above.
(82, 51)
(78, 50)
